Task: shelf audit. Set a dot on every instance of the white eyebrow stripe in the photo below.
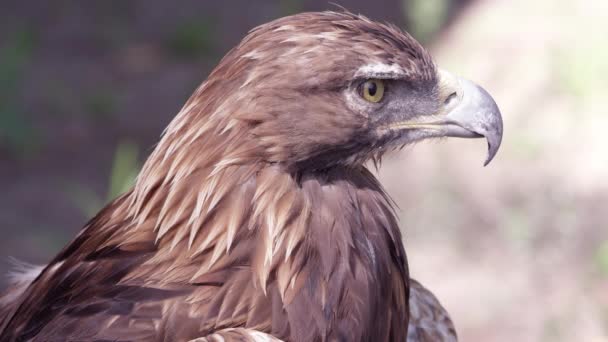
(380, 70)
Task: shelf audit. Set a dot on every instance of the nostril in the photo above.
(450, 99)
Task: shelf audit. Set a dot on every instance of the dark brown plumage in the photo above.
(255, 217)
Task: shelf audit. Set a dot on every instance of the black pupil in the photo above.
(372, 88)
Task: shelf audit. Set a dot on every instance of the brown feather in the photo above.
(429, 321)
(253, 218)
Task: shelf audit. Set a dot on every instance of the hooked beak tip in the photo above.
(492, 150)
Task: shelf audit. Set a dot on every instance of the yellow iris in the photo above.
(373, 90)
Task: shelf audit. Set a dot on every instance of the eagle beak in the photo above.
(466, 111)
(472, 113)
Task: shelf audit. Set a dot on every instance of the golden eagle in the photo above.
(255, 218)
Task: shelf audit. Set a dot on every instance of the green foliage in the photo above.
(192, 39)
(601, 258)
(46, 240)
(100, 104)
(288, 7)
(125, 168)
(551, 329)
(15, 131)
(582, 70)
(14, 56)
(426, 17)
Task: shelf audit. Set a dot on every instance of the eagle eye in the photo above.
(373, 90)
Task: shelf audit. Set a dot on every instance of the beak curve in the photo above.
(474, 115)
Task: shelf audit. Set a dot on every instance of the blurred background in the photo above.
(516, 251)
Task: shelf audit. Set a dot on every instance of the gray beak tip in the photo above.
(494, 141)
(487, 162)
(494, 129)
(491, 153)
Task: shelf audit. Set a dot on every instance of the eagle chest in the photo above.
(356, 284)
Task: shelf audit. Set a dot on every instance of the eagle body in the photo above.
(255, 217)
(339, 271)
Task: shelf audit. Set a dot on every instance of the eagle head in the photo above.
(319, 89)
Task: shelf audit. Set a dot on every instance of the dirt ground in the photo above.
(517, 251)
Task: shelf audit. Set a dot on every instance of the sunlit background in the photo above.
(516, 251)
